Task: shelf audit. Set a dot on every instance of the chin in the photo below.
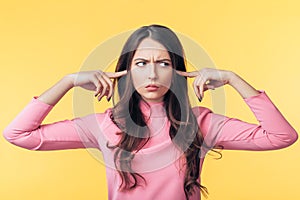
(152, 98)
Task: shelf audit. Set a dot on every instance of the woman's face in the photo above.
(151, 70)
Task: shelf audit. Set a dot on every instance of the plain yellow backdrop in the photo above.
(41, 41)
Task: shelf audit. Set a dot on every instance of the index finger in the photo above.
(116, 74)
(188, 74)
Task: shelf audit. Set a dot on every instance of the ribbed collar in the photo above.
(156, 109)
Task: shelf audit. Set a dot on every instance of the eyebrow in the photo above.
(159, 60)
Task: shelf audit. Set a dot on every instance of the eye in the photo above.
(164, 64)
(140, 64)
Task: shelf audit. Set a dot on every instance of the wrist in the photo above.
(232, 77)
(243, 87)
(69, 81)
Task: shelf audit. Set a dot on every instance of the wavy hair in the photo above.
(183, 122)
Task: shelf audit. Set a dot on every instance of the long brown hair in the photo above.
(183, 122)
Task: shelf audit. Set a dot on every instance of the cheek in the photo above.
(138, 77)
(166, 78)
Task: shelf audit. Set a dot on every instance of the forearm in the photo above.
(243, 88)
(57, 91)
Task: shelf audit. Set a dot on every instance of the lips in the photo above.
(152, 88)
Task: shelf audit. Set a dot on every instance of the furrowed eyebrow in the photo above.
(164, 59)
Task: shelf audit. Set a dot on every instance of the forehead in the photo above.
(151, 47)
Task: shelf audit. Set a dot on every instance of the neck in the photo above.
(153, 108)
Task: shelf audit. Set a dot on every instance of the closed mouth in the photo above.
(152, 85)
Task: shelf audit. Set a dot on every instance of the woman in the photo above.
(152, 141)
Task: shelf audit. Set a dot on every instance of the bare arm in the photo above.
(57, 91)
(97, 81)
(241, 86)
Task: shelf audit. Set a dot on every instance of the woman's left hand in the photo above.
(215, 78)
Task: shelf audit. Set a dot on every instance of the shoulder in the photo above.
(200, 111)
(102, 125)
(203, 116)
(102, 119)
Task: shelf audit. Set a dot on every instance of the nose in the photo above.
(152, 71)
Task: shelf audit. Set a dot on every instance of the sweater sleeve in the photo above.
(26, 130)
(272, 132)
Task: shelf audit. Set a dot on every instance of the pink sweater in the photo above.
(158, 161)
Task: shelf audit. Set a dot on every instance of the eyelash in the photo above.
(166, 64)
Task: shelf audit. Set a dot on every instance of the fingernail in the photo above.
(109, 99)
(200, 98)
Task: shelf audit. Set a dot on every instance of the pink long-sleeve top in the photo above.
(158, 162)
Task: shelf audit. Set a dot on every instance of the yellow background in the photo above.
(43, 41)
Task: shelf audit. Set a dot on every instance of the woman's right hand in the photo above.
(97, 81)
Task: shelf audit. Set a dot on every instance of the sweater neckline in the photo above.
(153, 109)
